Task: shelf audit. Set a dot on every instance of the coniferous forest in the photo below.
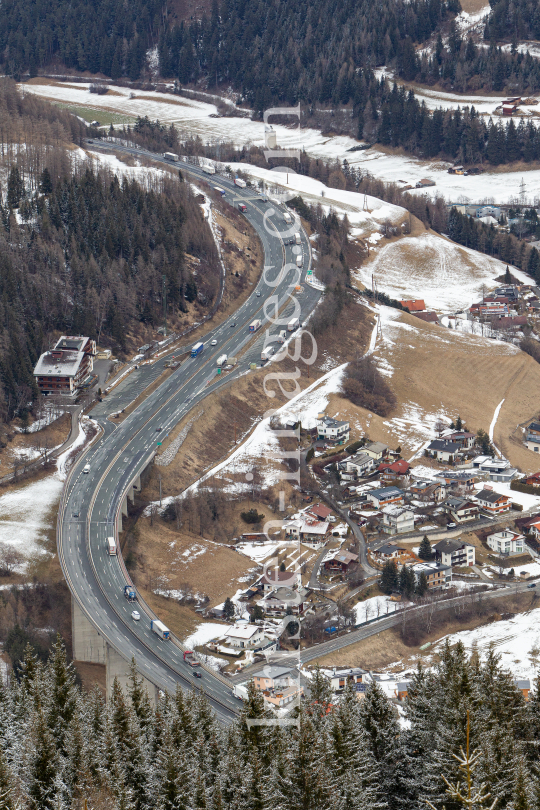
(463, 726)
(82, 252)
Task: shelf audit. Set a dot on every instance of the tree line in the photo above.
(467, 726)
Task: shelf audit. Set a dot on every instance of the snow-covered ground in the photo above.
(27, 514)
(193, 118)
(448, 277)
(205, 633)
(517, 640)
(526, 500)
(376, 606)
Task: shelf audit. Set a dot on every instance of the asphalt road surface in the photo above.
(92, 500)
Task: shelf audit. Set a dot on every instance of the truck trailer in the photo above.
(221, 361)
(299, 261)
(239, 182)
(254, 325)
(267, 353)
(287, 217)
(111, 546)
(129, 593)
(292, 325)
(171, 156)
(297, 239)
(197, 349)
(159, 629)
(208, 170)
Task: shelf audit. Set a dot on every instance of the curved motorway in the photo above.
(91, 502)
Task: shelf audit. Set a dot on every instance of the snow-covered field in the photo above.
(376, 606)
(27, 514)
(448, 277)
(517, 640)
(193, 118)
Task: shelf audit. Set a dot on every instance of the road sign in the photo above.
(159, 444)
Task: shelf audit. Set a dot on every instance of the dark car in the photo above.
(532, 585)
(233, 324)
(158, 430)
(197, 674)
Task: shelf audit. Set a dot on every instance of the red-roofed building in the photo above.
(533, 480)
(428, 317)
(398, 469)
(416, 305)
(319, 511)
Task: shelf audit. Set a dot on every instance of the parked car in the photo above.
(451, 525)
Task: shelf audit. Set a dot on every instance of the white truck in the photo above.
(299, 261)
(111, 546)
(221, 361)
(267, 353)
(254, 325)
(287, 217)
(240, 691)
(282, 337)
(159, 629)
(297, 239)
(208, 169)
(293, 324)
(239, 182)
(171, 156)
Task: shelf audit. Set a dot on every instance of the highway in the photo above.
(91, 501)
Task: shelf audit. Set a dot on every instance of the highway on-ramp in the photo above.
(92, 500)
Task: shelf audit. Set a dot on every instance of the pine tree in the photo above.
(389, 581)
(63, 697)
(228, 609)
(425, 552)
(43, 770)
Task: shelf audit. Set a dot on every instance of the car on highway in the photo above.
(214, 343)
(197, 674)
(233, 324)
(135, 615)
(158, 430)
(258, 294)
(75, 514)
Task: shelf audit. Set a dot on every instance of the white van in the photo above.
(86, 469)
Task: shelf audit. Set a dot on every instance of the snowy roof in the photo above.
(314, 527)
(395, 511)
(385, 492)
(242, 631)
(272, 672)
(490, 496)
(59, 362)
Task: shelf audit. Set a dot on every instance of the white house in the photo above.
(246, 636)
(332, 430)
(359, 464)
(397, 519)
(506, 542)
(443, 450)
(454, 552)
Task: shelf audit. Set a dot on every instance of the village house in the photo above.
(461, 510)
(340, 561)
(493, 502)
(443, 450)
(454, 552)
(279, 688)
(340, 677)
(506, 542)
(359, 464)
(438, 576)
(274, 578)
(458, 481)
(396, 469)
(532, 437)
(532, 527)
(376, 450)
(245, 636)
(385, 496)
(427, 491)
(415, 305)
(497, 469)
(319, 511)
(390, 551)
(278, 602)
(397, 519)
(463, 438)
(332, 430)
(533, 480)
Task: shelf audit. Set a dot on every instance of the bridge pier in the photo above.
(118, 667)
(91, 647)
(88, 645)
